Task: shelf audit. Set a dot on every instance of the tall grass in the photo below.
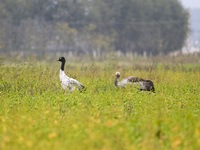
(35, 112)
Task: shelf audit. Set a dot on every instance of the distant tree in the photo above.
(95, 42)
(66, 34)
(155, 26)
(151, 26)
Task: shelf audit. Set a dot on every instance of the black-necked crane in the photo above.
(141, 84)
(67, 82)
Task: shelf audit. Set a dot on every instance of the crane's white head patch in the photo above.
(117, 74)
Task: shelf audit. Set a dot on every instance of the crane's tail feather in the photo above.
(82, 88)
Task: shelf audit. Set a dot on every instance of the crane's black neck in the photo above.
(62, 65)
(116, 81)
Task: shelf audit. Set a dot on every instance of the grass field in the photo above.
(35, 112)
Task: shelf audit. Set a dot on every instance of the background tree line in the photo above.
(92, 26)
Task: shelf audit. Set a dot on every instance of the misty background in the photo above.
(98, 28)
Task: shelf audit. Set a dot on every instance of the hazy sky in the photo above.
(190, 3)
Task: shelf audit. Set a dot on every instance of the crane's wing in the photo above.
(138, 83)
(75, 82)
(147, 85)
(134, 79)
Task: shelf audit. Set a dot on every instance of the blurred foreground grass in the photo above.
(35, 112)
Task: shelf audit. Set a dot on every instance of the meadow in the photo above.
(36, 113)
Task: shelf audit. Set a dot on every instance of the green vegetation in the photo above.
(35, 112)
